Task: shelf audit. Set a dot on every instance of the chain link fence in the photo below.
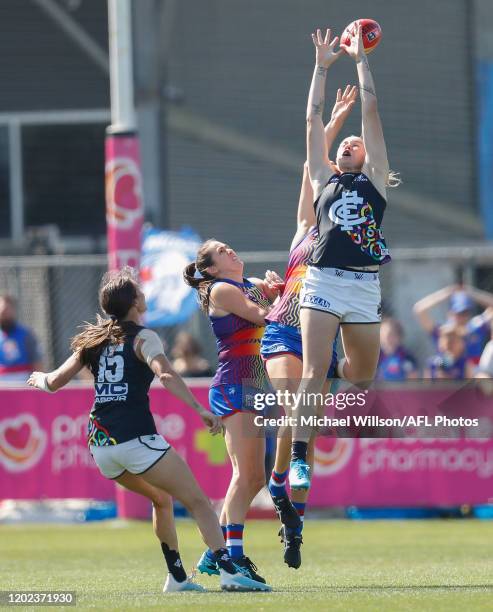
(56, 294)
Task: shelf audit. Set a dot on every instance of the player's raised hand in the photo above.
(213, 422)
(38, 380)
(356, 50)
(345, 101)
(274, 282)
(324, 48)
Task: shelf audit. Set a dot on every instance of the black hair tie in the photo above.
(113, 318)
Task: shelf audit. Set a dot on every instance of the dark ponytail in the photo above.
(117, 295)
(203, 282)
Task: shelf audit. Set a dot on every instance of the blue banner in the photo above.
(164, 255)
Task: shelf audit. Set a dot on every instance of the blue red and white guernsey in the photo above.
(18, 352)
(283, 332)
(396, 366)
(239, 360)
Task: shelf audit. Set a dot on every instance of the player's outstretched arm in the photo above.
(317, 156)
(149, 347)
(343, 105)
(376, 162)
(345, 100)
(52, 381)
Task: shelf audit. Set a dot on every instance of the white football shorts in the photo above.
(135, 456)
(352, 296)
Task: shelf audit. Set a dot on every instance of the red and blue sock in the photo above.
(277, 483)
(234, 540)
(300, 508)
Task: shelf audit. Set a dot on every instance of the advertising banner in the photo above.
(43, 454)
(123, 185)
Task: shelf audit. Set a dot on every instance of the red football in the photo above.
(372, 34)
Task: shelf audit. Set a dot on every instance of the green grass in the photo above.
(378, 565)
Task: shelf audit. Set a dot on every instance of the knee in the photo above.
(256, 481)
(163, 502)
(314, 372)
(248, 481)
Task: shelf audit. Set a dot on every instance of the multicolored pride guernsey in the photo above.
(349, 213)
(287, 309)
(238, 342)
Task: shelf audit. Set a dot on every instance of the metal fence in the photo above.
(55, 294)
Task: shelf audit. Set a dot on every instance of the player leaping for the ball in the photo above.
(282, 348)
(341, 285)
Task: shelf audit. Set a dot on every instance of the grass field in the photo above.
(378, 565)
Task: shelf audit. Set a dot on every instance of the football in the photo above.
(372, 34)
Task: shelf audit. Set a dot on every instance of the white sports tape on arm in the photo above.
(151, 345)
(43, 383)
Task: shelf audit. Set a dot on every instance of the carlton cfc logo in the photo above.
(345, 212)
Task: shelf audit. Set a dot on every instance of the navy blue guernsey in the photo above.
(349, 213)
(121, 404)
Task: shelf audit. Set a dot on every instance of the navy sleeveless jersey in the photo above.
(349, 213)
(121, 404)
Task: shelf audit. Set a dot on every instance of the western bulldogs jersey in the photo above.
(287, 310)
(238, 341)
(349, 213)
(121, 383)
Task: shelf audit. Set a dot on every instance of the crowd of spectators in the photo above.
(462, 342)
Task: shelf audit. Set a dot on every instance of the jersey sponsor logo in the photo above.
(111, 392)
(108, 386)
(318, 301)
(340, 273)
(344, 212)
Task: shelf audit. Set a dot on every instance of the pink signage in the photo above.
(43, 454)
(123, 200)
